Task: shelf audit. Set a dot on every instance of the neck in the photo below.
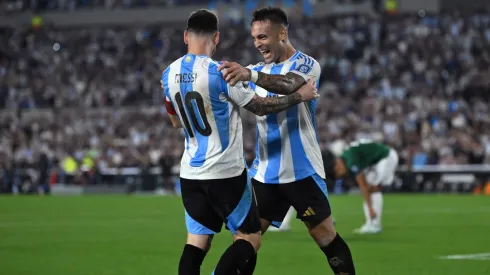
(290, 51)
(202, 47)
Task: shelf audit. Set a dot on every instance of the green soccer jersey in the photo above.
(362, 154)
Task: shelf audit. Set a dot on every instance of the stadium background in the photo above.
(81, 112)
(80, 97)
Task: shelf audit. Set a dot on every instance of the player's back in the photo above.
(212, 125)
(364, 153)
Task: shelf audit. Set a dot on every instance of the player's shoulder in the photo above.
(304, 63)
(210, 65)
(173, 66)
(176, 63)
(302, 58)
(165, 74)
(256, 66)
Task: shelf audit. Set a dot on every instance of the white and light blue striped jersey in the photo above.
(208, 109)
(287, 148)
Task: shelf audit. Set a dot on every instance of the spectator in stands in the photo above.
(418, 84)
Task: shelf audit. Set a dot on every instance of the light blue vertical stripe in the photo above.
(321, 184)
(166, 84)
(221, 110)
(200, 122)
(253, 169)
(187, 66)
(301, 165)
(273, 140)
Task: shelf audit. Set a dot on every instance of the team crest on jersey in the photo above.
(188, 59)
(303, 68)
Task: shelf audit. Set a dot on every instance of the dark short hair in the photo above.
(202, 21)
(272, 15)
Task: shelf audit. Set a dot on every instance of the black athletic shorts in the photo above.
(210, 203)
(308, 196)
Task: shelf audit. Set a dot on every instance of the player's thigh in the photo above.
(391, 167)
(233, 199)
(373, 177)
(200, 217)
(273, 205)
(386, 169)
(309, 197)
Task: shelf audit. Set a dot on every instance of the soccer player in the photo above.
(373, 166)
(288, 169)
(214, 182)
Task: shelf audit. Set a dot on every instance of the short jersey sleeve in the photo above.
(306, 67)
(164, 83)
(168, 102)
(240, 94)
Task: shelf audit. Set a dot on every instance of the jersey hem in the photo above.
(289, 180)
(214, 176)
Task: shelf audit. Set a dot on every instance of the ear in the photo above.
(186, 37)
(283, 34)
(216, 38)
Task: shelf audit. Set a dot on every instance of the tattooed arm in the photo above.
(280, 84)
(272, 105)
(303, 69)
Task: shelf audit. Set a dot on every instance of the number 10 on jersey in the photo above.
(194, 108)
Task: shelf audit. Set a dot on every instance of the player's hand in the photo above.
(234, 72)
(308, 91)
(372, 213)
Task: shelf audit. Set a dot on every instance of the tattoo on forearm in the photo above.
(279, 84)
(271, 105)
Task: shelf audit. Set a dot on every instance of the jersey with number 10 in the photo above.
(287, 148)
(208, 109)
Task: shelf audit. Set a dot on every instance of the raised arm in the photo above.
(278, 83)
(271, 105)
(303, 69)
(245, 97)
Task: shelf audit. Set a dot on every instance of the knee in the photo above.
(254, 239)
(324, 232)
(256, 242)
(201, 241)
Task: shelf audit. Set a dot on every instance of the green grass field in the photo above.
(145, 235)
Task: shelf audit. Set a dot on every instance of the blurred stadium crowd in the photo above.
(12, 6)
(90, 97)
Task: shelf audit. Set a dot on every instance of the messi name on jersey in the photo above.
(185, 78)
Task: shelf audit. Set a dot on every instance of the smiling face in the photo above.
(270, 40)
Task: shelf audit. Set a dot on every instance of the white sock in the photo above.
(287, 220)
(377, 200)
(366, 213)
